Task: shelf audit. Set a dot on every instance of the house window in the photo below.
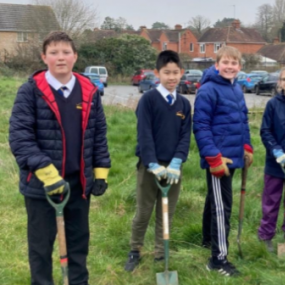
(191, 47)
(202, 48)
(41, 37)
(217, 46)
(164, 46)
(22, 37)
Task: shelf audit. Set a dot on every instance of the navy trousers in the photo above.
(42, 233)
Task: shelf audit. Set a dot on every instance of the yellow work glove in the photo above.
(53, 182)
(100, 184)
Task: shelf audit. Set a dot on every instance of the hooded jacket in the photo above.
(272, 133)
(37, 138)
(220, 119)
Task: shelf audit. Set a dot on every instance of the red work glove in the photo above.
(218, 165)
(248, 153)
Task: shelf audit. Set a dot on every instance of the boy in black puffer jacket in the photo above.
(58, 136)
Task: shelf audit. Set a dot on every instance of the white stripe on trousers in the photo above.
(222, 242)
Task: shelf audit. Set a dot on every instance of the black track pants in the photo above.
(217, 213)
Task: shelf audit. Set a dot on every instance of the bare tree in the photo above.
(279, 12)
(73, 16)
(264, 21)
(199, 24)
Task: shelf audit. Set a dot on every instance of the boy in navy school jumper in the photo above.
(58, 136)
(163, 135)
(222, 135)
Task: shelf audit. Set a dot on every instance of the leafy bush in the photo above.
(121, 55)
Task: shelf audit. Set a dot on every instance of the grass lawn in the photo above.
(111, 216)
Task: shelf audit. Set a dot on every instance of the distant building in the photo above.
(275, 51)
(20, 25)
(178, 39)
(246, 40)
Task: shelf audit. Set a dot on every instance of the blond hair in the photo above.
(279, 88)
(228, 51)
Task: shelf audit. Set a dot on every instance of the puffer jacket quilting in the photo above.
(220, 120)
(36, 137)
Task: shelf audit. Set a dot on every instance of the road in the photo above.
(128, 96)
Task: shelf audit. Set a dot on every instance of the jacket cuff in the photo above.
(214, 161)
(248, 148)
(101, 173)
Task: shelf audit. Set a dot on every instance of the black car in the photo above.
(268, 84)
(187, 84)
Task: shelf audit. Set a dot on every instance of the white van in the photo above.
(101, 71)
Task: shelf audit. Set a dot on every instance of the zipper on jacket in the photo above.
(29, 176)
(82, 146)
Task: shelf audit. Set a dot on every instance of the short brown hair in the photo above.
(56, 37)
(228, 51)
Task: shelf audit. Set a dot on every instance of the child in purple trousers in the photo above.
(273, 137)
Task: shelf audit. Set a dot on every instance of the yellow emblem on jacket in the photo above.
(180, 114)
(79, 106)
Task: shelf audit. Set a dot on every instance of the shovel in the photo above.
(166, 277)
(241, 205)
(281, 246)
(61, 233)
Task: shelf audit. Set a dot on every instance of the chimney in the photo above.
(236, 24)
(276, 41)
(178, 27)
(142, 28)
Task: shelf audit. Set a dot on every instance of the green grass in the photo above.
(111, 216)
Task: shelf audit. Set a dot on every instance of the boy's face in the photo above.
(60, 59)
(169, 76)
(228, 67)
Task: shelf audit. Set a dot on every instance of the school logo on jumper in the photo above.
(180, 114)
(79, 106)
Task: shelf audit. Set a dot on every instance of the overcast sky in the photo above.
(146, 12)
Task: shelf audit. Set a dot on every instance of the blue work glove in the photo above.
(158, 170)
(173, 170)
(280, 156)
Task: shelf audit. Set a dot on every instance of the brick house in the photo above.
(246, 40)
(179, 40)
(275, 51)
(22, 26)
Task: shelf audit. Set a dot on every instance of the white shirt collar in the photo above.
(164, 92)
(56, 84)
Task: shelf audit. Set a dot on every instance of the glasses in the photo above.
(282, 79)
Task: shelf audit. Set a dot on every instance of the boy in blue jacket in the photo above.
(58, 137)
(163, 135)
(272, 133)
(222, 135)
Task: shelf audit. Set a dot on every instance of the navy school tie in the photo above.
(61, 89)
(169, 99)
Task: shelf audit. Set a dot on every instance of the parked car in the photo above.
(267, 84)
(139, 75)
(240, 73)
(198, 85)
(248, 82)
(95, 78)
(101, 71)
(260, 72)
(193, 72)
(149, 82)
(188, 84)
